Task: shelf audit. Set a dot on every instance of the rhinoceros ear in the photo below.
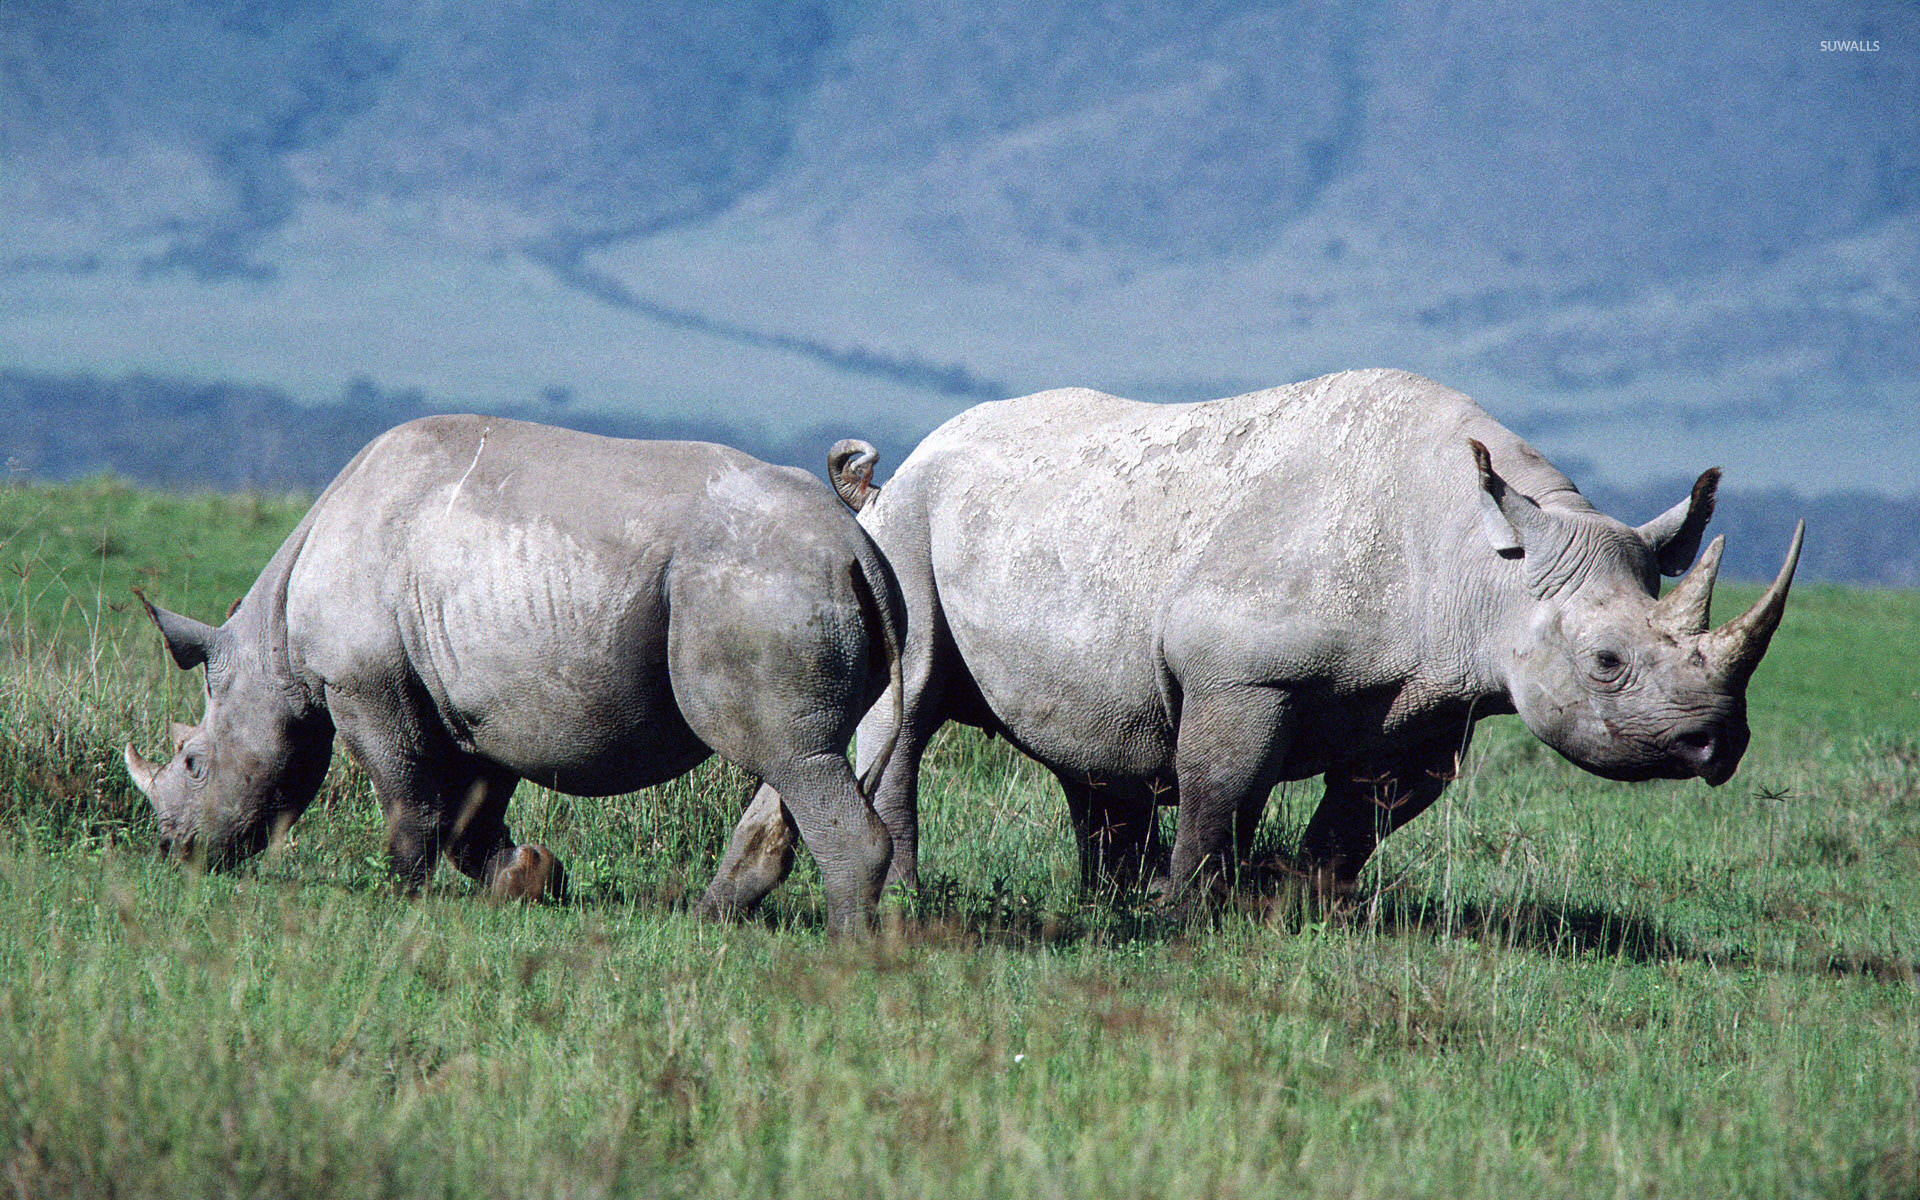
(188, 641)
(1674, 536)
(1505, 515)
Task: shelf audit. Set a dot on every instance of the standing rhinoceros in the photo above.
(475, 601)
(1191, 603)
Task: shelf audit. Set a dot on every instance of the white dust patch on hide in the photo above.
(461, 482)
(1108, 499)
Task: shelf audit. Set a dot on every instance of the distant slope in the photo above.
(1651, 236)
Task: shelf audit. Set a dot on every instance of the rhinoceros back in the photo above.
(514, 572)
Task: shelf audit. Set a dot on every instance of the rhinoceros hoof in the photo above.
(530, 873)
(1199, 901)
(1333, 887)
(719, 905)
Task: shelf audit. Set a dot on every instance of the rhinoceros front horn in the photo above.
(141, 770)
(1735, 649)
(1684, 610)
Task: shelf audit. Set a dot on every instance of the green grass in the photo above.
(1551, 986)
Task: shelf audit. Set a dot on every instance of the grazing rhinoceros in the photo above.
(1191, 603)
(475, 601)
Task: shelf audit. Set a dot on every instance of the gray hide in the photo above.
(1191, 603)
(475, 601)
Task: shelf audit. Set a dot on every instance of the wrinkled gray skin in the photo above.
(1191, 603)
(475, 601)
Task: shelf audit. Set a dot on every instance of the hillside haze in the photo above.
(1651, 241)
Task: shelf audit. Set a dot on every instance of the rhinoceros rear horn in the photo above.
(188, 641)
(1686, 609)
(1735, 649)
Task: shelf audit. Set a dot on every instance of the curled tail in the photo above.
(879, 618)
(850, 469)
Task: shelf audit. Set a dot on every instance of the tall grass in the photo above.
(1551, 985)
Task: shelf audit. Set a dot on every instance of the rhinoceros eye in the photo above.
(1607, 666)
(196, 765)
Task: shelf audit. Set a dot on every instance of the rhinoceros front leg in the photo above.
(1117, 824)
(1363, 804)
(462, 814)
(478, 842)
(438, 800)
(1227, 757)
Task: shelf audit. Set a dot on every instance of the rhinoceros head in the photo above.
(252, 764)
(1626, 683)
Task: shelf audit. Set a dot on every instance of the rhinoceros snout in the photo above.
(1711, 752)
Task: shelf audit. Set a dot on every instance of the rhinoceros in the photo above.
(1189, 603)
(475, 601)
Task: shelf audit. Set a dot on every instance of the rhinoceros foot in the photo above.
(530, 872)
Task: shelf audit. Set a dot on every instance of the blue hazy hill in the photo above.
(1649, 238)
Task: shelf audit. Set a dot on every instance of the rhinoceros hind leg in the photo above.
(936, 689)
(896, 797)
(778, 703)
(849, 843)
(757, 859)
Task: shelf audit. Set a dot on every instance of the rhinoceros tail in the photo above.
(850, 470)
(879, 620)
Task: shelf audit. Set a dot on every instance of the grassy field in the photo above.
(1552, 985)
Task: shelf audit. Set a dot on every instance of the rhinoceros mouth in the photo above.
(1695, 754)
(181, 843)
(1637, 772)
(1713, 774)
(231, 846)
(1718, 772)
